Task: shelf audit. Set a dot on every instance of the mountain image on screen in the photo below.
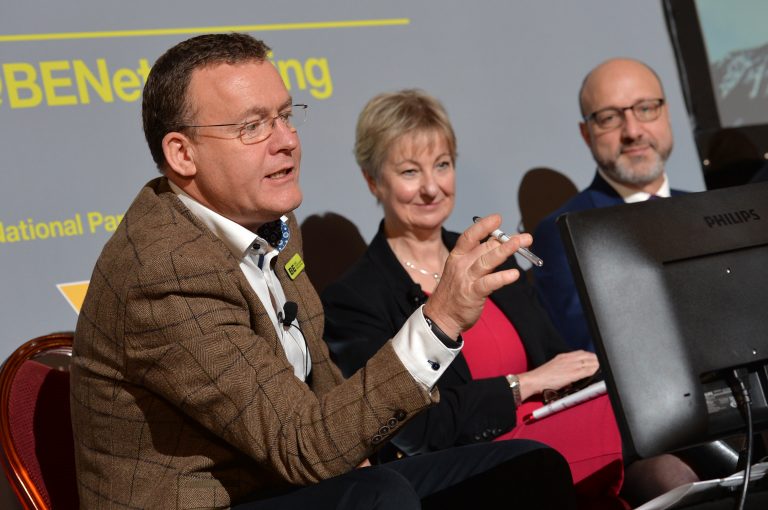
(740, 80)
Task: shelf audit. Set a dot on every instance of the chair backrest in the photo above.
(332, 244)
(35, 426)
(541, 192)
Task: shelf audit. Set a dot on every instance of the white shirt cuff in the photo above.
(422, 353)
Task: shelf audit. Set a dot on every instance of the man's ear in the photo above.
(585, 134)
(179, 154)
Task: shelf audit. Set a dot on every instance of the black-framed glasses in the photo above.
(255, 131)
(549, 395)
(646, 110)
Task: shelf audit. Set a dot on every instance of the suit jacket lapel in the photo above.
(324, 373)
(260, 321)
(602, 194)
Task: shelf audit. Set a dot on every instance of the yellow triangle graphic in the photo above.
(74, 293)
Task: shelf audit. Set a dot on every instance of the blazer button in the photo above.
(477, 437)
(391, 422)
(384, 430)
(485, 434)
(400, 415)
(376, 439)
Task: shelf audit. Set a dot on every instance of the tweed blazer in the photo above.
(181, 393)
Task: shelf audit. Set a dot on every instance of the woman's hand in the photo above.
(558, 372)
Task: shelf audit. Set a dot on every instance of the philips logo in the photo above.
(731, 218)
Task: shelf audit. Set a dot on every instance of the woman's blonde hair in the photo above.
(389, 116)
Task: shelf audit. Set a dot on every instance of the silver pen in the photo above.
(524, 252)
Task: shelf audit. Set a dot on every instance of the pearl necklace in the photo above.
(410, 265)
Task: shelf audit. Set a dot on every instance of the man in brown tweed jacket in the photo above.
(197, 384)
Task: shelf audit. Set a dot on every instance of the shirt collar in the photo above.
(632, 195)
(236, 237)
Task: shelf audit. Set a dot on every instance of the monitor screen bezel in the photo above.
(618, 256)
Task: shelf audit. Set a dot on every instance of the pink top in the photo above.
(586, 434)
(492, 346)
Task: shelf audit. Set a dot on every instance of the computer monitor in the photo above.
(676, 294)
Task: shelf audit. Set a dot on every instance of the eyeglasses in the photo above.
(646, 110)
(255, 131)
(549, 395)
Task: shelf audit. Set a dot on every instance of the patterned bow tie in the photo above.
(276, 233)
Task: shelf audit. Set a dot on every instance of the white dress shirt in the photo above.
(420, 351)
(630, 195)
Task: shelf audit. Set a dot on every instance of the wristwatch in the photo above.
(514, 385)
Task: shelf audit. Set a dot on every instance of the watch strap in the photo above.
(442, 335)
(514, 385)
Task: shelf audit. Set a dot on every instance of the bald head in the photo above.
(607, 73)
(632, 150)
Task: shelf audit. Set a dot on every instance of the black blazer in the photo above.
(369, 304)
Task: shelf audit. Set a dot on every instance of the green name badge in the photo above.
(294, 267)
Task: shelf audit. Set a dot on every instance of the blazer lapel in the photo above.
(601, 194)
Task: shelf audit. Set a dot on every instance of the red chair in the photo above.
(35, 428)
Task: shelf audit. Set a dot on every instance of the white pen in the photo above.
(524, 252)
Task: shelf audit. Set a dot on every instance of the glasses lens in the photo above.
(608, 119)
(255, 131)
(259, 130)
(647, 110)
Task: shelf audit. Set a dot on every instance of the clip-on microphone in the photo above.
(286, 318)
(290, 310)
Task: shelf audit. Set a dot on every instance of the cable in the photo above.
(286, 318)
(306, 350)
(741, 394)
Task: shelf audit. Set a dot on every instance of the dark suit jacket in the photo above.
(554, 280)
(375, 297)
(182, 396)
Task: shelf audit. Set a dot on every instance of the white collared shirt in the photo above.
(630, 195)
(248, 248)
(420, 351)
